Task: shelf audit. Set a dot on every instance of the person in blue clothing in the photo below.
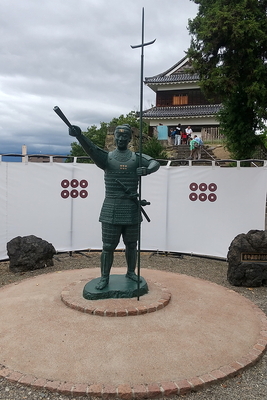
(200, 144)
(195, 148)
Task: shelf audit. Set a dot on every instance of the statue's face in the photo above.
(122, 139)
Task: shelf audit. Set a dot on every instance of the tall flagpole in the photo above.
(142, 45)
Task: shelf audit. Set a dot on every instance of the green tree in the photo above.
(153, 148)
(229, 51)
(98, 135)
(131, 118)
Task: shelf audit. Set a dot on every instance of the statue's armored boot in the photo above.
(131, 256)
(106, 263)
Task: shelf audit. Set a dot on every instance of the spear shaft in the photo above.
(142, 45)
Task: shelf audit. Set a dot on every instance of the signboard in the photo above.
(162, 132)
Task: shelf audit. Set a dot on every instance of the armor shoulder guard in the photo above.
(145, 157)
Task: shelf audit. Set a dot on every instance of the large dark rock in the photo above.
(27, 253)
(247, 259)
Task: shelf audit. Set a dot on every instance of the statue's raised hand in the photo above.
(75, 130)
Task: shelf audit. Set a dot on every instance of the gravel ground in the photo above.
(250, 385)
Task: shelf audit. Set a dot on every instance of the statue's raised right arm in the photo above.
(123, 135)
(98, 155)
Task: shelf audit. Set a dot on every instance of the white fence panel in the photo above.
(209, 206)
(195, 209)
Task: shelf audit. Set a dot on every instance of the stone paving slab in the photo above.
(204, 334)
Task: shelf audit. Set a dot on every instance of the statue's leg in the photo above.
(131, 256)
(110, 237)
(106, 264)
(130, 235)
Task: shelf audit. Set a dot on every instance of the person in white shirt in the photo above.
(189, 132)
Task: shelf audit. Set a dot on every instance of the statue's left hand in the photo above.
(141, 171)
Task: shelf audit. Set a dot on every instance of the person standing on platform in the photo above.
(199, 147)
(184, 137)
(193, 149)
(189, 133)
(171, 137)
(177, 137)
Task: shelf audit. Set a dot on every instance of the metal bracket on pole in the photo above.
(142, 45)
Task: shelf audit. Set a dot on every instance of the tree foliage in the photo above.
(98, 135)
(229, 51)
(153, 148)
(131, 118)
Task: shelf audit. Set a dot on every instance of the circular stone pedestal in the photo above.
(206, 333)
(119, 287)
(158, 297)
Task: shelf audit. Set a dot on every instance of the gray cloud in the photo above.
(77, 55)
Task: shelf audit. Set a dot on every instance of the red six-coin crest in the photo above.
(74, 185)
(203, 187)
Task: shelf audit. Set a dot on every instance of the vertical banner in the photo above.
(155, 190)
(58, 202)
(3, 209)
(209, 206)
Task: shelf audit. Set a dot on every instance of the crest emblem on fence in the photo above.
(203, 192)
(74, 188)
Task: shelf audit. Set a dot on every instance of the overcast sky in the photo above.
(76, 54)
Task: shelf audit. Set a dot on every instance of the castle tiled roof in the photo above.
(178, 73)
(180, 77)
(182, 111)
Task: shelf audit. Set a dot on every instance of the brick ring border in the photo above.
(125, 391)
(151, 390)
(92, 306)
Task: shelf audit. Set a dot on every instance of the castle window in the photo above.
(179, 100)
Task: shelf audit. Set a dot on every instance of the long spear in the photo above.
(142, 45)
